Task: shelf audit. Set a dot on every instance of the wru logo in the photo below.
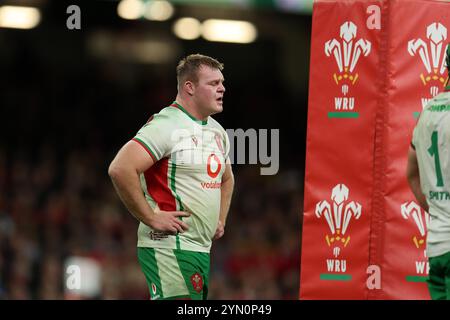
(431, 53)
(421, 218)
(347, 52)
(338, 215)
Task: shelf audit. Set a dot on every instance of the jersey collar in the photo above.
(177, 105)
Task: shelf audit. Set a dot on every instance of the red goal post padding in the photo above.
(374, 65)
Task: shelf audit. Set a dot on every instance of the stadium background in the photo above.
(69, 99)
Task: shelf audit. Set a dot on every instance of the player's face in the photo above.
(209, 91)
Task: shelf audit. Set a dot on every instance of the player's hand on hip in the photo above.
(219, 231)
(169, 221)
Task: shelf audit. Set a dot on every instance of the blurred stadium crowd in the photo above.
(59, 130)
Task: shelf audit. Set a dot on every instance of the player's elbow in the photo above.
(231, 179)
(114, 170)
(228, 179)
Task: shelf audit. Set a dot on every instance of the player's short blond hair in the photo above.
(188, 67)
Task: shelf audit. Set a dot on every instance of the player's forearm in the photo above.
(126, 183)
(414, 183)
(225, 198)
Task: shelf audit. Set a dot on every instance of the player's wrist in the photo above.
(150, 219)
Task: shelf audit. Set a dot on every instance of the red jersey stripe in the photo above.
(157, 185)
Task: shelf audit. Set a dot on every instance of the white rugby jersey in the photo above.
(190, 157)
(431, 140)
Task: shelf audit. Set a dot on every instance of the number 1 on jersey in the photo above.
(434, 152)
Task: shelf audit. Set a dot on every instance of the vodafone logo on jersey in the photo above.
(213, 165)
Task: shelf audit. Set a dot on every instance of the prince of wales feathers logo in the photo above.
(412, 211)
(432, 54)
(197, 282)
(337, 215)
(347, 52)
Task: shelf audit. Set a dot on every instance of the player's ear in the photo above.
(190, 87)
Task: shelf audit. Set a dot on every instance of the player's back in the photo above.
(431, 140)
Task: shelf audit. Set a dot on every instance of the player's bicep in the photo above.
(134, 155)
